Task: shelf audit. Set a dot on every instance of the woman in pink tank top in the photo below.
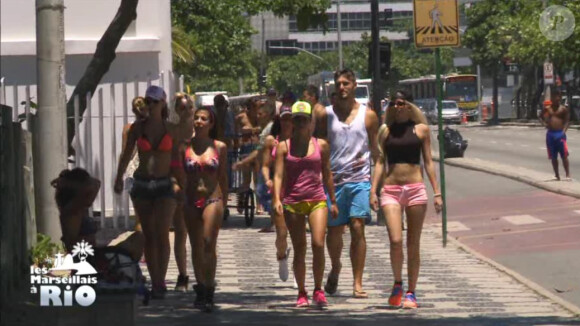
(300, 162)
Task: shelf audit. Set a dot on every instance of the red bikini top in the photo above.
(165, 145)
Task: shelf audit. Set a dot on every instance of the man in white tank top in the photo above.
(351, 129)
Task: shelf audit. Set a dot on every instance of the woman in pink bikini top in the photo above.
(204, 164)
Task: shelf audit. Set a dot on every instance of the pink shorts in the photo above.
(405, 195)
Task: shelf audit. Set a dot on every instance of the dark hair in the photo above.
(347, 72)
(219, 100)
(213, 131)
(253, 101)
(64, 191)
(288, 98)
(165, 111)
(276, 128)
(404, 95)
(313, 91)
(556, 91)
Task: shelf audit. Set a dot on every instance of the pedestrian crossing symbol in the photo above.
(436, 23)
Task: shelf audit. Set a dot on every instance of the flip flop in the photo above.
(360, 294)
(331, 283)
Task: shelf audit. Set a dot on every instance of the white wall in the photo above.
(143, 54)
(148, 39)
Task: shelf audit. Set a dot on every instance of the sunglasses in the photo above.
(149, 101)
(400, 103)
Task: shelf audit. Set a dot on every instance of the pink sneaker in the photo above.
(319, 298)
(302, 300)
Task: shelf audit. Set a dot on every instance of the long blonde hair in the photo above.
(416, 116)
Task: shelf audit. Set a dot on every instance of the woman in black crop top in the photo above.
(401, 141)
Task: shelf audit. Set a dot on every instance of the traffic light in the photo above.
(385, 57)
(388, 17)
(261, 79)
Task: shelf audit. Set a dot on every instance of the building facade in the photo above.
(145, 49)
(355, 20)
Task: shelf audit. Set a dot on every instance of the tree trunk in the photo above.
(101, 62)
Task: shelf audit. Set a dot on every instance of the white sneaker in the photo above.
(283, 267)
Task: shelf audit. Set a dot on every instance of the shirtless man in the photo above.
(311, 96)
(247, 126)
(556, 119)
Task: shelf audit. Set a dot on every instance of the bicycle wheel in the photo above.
(249, 208)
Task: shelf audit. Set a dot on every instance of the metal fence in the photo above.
(98, 134)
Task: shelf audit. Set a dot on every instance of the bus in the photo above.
(459, 88)
(324, 81)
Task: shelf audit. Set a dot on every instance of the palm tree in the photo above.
(182, 45)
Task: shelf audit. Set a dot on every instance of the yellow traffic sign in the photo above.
(436, 23)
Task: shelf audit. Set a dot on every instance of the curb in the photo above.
(530, 181)
(514, 124)
(518, 277)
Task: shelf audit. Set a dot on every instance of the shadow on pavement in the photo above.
(252, 309)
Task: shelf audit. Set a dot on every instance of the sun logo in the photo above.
(83, 249)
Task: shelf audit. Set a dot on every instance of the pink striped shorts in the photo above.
(405, 195)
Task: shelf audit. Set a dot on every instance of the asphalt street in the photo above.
(516, 146)
(529, 230)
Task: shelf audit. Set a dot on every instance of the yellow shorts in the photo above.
(305, 207)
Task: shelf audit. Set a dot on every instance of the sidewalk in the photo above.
(455, 288)
(512, 123)
(534, 178)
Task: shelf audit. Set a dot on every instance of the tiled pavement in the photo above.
(454, 288)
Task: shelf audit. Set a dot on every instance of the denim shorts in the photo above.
(264, 195)
(352, 199)
(151, 189)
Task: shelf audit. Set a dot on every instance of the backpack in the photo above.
(453, 143)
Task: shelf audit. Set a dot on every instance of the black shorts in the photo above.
(151, 189)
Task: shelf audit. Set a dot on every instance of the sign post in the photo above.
(548, 73)
(437, 25)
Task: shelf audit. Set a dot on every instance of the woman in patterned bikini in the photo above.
(204, 163)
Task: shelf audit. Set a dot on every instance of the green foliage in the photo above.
(530, 47)
(41, 254)
(487, 33)
(499, 29)
(291, 72)
(219, 36)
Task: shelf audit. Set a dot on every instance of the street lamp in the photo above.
(297, 49)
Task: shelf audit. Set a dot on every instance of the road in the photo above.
(531, 231)
(516, 146)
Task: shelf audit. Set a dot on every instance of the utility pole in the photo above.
(479, 95)
(339, 28)
(376, 71)
(441, 143)
(263, 60)
(50, 148)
